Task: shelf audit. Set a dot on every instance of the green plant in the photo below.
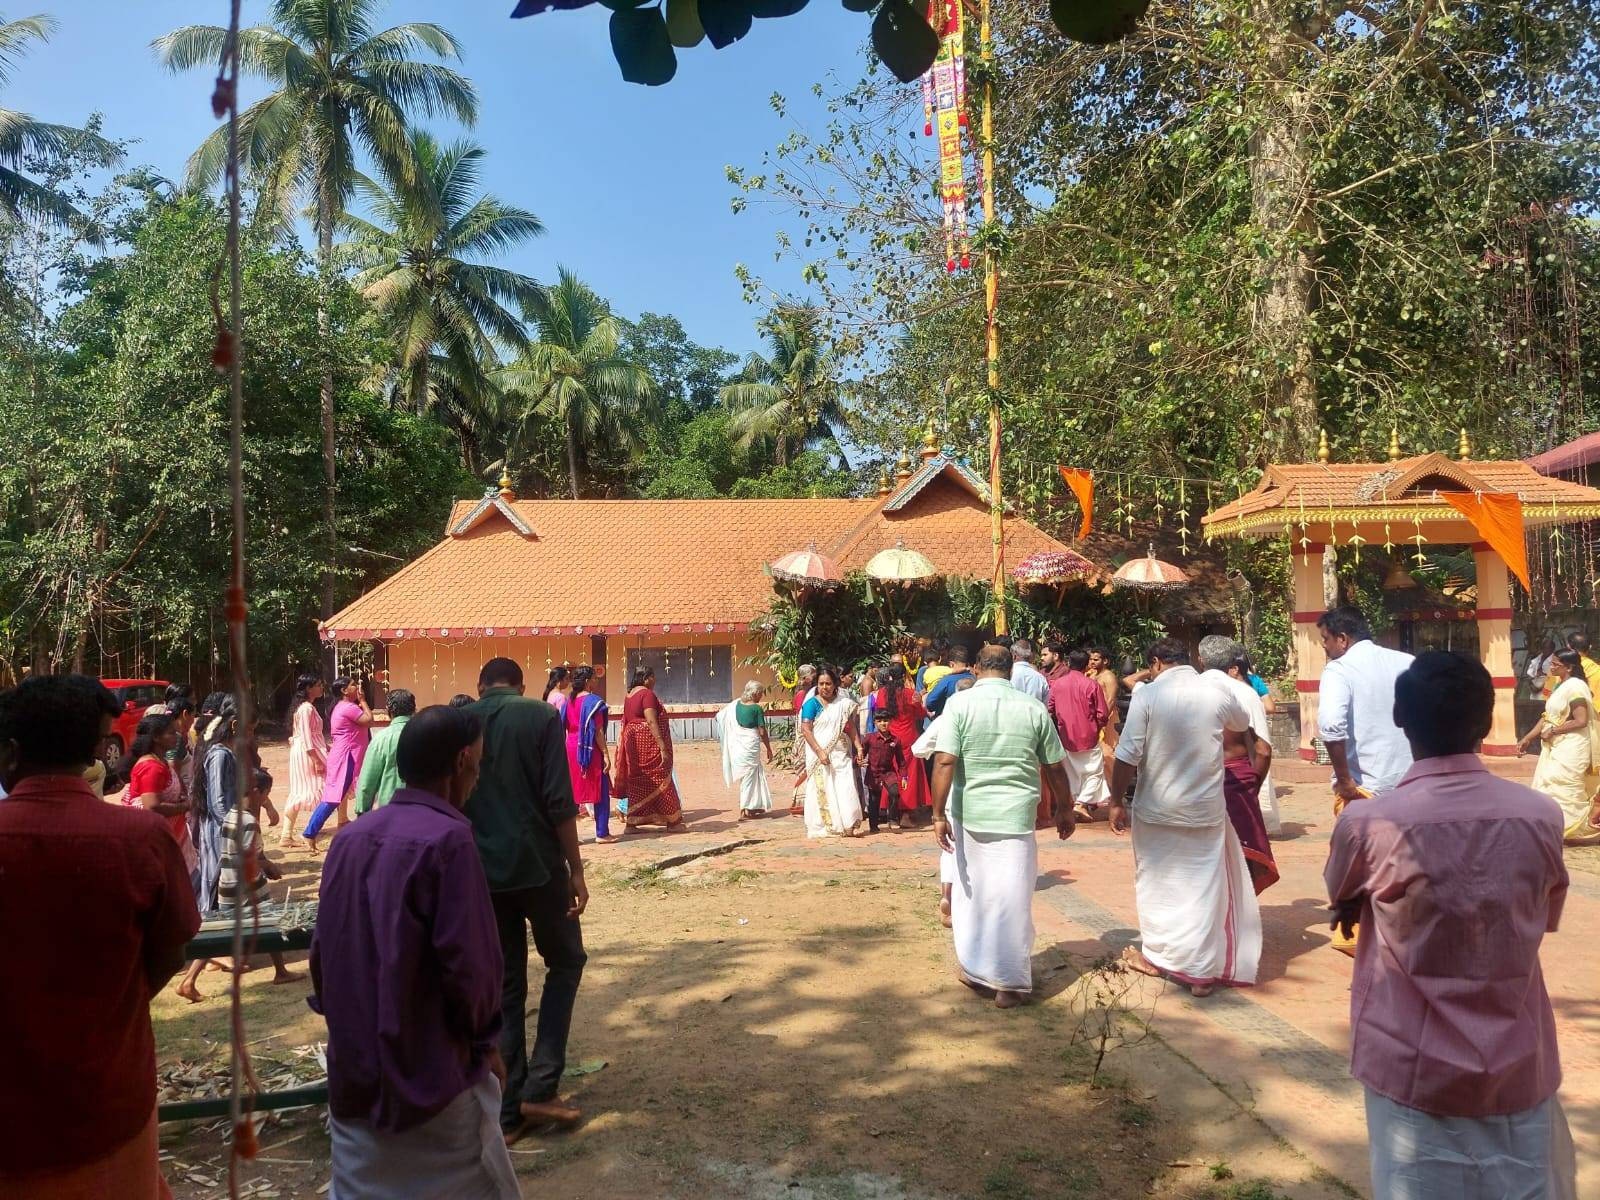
(1221, 1170)
(1005, 1182)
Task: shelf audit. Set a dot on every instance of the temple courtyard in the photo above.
(774, 1017)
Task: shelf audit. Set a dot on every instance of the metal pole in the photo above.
(991, 281)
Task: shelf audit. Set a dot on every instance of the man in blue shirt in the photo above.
(960, 668)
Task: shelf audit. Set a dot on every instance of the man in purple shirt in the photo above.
(1078, 706)
(1456, 876)
(407, 970)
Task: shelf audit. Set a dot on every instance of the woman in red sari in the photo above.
(897, 710)
(644, 758)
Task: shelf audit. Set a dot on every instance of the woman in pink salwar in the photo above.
(350, 724)
(308, 754)
(585, 716)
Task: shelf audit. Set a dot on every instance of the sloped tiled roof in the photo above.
(612, 565)
(1288, 495)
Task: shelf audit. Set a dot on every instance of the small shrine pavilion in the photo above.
(1409, 503)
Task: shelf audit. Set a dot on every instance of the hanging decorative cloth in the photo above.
(944, 106)
(1081, 481)
(1498, 520)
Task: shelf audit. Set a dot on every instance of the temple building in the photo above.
(674, 585)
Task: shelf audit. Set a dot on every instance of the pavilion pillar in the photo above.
(1494, 647)
(1306, 562)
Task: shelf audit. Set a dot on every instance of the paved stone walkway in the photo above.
(1279, 1048)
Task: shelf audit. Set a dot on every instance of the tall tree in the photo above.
(417, 263)
(788, 399)
(576, 373)
(23, 138)
(338, 84)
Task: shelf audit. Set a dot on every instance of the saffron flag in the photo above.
(1081, 481)
(1498, 520)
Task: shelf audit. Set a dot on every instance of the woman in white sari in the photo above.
(833, 751)
(1569, 759)
(742, 729)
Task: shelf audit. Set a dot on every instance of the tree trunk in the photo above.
(329, 459)
(419, 398)
(1281, 210)
(572, 456)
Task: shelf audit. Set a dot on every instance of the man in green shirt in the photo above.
(526, 825)
(380, 778)
(994, 742)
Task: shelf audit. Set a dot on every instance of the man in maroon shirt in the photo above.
(407, 967)
(1078, 707)
(78, 1062)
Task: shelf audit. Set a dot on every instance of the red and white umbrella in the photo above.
(807, 568)
(1052, 567)
(1150, 574)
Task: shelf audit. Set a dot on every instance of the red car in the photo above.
(135, 695)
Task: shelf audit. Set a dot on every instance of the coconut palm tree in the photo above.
(21, 136)
(575, 372)
(790, 398)
(337, 84)
(415, 263)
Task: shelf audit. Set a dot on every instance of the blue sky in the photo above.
(628, 180)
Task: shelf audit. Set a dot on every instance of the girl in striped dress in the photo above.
(308, 754)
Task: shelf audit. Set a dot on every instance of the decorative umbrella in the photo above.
(807, 569)
(1150, 574)
(899, 565)
(1053, 568)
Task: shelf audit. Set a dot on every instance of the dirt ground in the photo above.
(782, 1020)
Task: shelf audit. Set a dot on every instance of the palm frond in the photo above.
(17, 36)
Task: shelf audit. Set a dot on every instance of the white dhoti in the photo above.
(991, 907)
(741, 761)
(461, 1153)
(1417, 1156)
(1086, 773)
(1198, 917)
(1271, 815)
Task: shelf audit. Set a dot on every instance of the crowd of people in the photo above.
(1442, 880)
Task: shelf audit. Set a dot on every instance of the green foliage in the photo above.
(115, 496)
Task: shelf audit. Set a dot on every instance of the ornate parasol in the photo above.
(1054, 568)
(1150, 574)
(900, 565)
(808, 569)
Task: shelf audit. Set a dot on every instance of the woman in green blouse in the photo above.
(742, 726)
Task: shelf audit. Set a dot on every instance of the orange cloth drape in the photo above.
(1081, 481)
(1498, 520)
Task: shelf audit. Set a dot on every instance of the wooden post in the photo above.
(1494, 647)
(1307, 564)
(991, 346)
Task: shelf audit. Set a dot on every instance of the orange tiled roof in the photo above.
(597, 566)
(1290, 495)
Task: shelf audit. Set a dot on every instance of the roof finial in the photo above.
(930, 442)
(507, 493)
(1394, 444)
(1322, 446)
(885, 484)
(1464, 449)
(902, 467)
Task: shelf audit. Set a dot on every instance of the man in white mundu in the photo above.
(1198, 919)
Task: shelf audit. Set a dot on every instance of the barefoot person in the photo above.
(833, 751)
(1198, 918)
(526, 825)
(216, 792)
(644, 758)
(993, 742)
(742, 729)
(350, 724)
(1246, 759)
(78, 1087)
(407, 969)
(1456, 876)
(308, 756)
(1078, 707)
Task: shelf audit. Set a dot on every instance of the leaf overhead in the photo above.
(725, 21)
(904, 40)
(642, 47)
(1097, 22)
(683, 23)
